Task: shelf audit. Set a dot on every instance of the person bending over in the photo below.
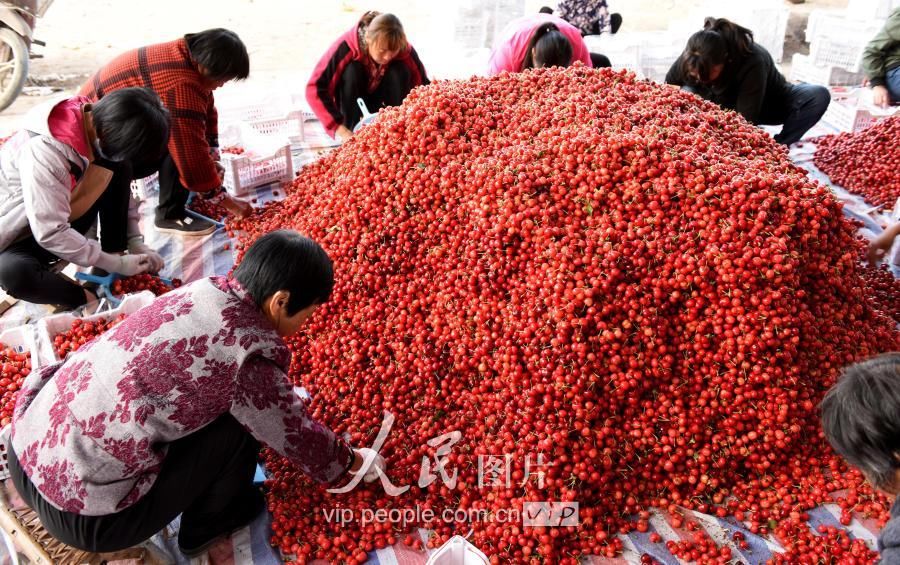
(541, 40)
(69, 168)
(861, 420)
(723, 64)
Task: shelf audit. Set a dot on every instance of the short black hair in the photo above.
(221, 52)
(286, 260)
(861, 417)
(131, 124)
(548, 47)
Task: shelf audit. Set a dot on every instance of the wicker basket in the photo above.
(24, 527)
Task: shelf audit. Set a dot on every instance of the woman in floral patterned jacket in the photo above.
(163, 414)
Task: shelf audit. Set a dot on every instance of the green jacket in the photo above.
(883, 52)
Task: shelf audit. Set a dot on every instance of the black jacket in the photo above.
(754, 87)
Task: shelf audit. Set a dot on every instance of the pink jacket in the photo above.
(509, 49)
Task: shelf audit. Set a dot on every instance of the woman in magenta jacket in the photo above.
(541, 40)
(372, 61)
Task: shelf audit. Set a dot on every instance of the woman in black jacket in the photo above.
(723, 64)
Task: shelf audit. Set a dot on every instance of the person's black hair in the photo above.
(131, 124)
(545, 10)
(861, 417)
(548, 47)
(719, 42)
(286, 260)
(221, 52)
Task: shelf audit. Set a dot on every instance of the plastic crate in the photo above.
(803, 70)
(656, 62)
(243, 173)
(49, 327)
(235, 109)
(143, 188)
(872, 8)
(850, 116)
(844, 51)
(623, 54)
(823, 23)
(289, 127)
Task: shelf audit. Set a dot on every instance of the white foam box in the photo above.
(21, 339)
(48, 328)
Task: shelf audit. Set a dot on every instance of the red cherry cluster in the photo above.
(575, 267)
(234, 150)
(141, 282)
(14, 367)
(80, 333)
(865, 162)
(208, 208)
(885, 290)
(831, 545)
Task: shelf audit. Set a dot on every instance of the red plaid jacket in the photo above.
(168, 70)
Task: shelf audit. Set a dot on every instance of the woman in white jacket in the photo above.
(69, 167)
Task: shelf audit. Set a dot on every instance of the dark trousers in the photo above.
(806, 105)
(173, 195)
(25, 266)
(599, 61)
(206, 477)
(892, 83)
(393, 89)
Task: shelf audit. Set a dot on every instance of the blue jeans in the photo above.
(806, 105)
(892, 82)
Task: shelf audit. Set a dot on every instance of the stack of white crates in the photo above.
(837, 40)
(767, 19)
(647, 54)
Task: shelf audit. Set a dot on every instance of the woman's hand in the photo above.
(376, 464)
(220, 170)
(238, 208)
(880, 96)
(343, 133)
(881, 245)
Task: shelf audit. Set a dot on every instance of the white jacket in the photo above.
(35, 193)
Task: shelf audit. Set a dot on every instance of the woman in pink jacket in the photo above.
(541, 40)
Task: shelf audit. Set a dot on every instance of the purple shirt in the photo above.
(92, 432)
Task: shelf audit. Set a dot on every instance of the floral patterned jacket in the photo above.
(92, 432)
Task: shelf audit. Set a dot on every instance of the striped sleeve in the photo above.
(188, 143)
(212, 123)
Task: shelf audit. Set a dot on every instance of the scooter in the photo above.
(17, 21)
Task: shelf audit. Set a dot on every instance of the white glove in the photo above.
(371, 465)
(130, 265)
(136, 246)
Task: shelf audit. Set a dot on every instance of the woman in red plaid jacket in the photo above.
(184, 73)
